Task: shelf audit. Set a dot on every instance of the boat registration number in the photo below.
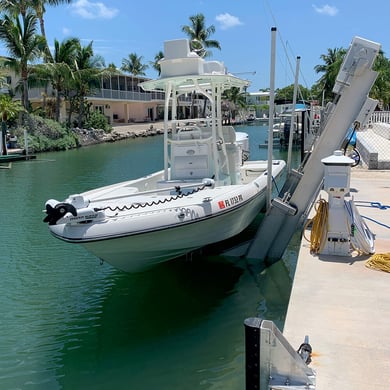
(230, 202)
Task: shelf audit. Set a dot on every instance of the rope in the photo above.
(379, 262)
(378, 205)
(377, 222)
(153, 203)
(319, 228)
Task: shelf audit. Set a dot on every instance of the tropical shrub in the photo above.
(96, 120)
(46, 134)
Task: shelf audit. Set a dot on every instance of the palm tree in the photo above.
(8, 110)
(16, 7)
(24, 45)
(155, 64)
(233, 99)
(39, 8)
(87, 74)
(82, 73)
(381, 87)
(133, 65)
(111, 66)
(59, 70)
(199, 35)
(3, 76)
(330, 69)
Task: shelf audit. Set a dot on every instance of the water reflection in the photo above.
(144, 318)
(181, 322)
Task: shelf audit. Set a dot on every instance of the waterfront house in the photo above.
(118, 97)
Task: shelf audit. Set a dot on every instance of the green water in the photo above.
(68, 322)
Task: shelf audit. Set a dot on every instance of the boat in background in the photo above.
(250, 118)
(281, 132)
(305, 127)
(12, 157)
(208, 190)
(9, 150)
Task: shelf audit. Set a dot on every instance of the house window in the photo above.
(114, 83)
(99, 108)
(122, 83)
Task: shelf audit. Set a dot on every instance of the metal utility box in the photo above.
(337, 184)
(337, 173)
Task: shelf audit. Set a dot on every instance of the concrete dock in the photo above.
(343, 306)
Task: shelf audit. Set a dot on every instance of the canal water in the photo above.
(69, 322)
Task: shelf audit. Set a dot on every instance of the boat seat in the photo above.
(190, 161)
(184, 135)
(190, 167)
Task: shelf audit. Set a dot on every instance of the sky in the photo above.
(305, 28)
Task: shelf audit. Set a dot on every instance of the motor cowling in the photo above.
(56, 210)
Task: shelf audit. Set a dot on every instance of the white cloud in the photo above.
(66, 31)
(93, 10)
(326, 10)
(227, 21)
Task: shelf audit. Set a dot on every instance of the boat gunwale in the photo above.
(220, 213)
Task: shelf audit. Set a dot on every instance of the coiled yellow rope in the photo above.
(379, 262)
(319, 228)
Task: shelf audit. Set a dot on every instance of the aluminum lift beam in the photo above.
(288, 212)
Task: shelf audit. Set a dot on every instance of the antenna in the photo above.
(239, 73)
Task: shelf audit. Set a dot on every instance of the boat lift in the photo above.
(289, 210)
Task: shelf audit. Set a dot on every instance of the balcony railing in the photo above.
(109, 94)
(127, 95)
(380, 116)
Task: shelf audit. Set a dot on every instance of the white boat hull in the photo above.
(136, 239)
(138, 252)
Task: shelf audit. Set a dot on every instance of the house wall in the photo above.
(126, 112)
(120, 99)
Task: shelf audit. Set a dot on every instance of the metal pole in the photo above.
(168, 92)
(3, 139)
(252, 353)
(25, 142)
(271, 118)
(292, 126)
(216, 90)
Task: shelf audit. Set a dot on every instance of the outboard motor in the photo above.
(56, 210)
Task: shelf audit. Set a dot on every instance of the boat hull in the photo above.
(166, 226)
(138, 252)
